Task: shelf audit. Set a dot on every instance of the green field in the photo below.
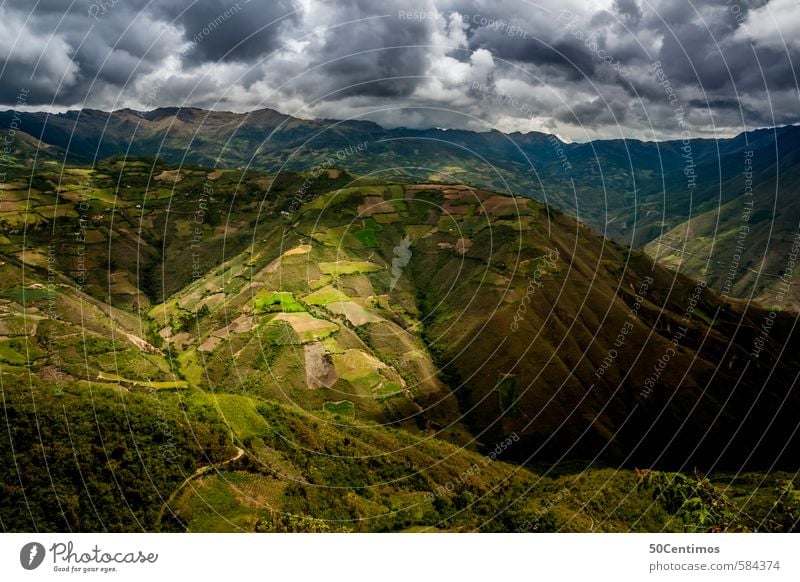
(339, 268)
(368, 234)
(341, 408)
(276, 301)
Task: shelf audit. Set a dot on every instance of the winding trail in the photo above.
(199, 472)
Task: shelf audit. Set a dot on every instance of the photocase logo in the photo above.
(31, 555)
(402, 255)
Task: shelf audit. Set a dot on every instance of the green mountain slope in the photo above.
(681, 198)
(227, 350)
(746, 247)
(629, 190)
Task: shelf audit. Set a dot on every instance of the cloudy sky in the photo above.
(580, 69)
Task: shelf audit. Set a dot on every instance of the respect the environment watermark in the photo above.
(744, 228)
(671, 351)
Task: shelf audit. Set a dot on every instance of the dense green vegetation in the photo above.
(80, 457)
(102, 460)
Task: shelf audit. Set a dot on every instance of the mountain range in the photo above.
(681, 200)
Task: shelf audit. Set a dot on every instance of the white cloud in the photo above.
(776, 24)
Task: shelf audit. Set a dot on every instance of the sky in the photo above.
(579, 69)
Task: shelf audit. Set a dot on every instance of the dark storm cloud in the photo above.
(101, 54)
(382, 61)
(582, 67)
(224, 30)
(705, 54)
(590, 113)
(628, 10)
(373, 50)
(113, 42)
(564, 57)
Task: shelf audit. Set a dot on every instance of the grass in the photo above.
(321, 282)
(24, 295)
(16, 325)
(368, 234)
(340, 408)
(216, 507)
(355, 364)
(191, 368)
(161, 193)
(239, 414)
(355, 313)
(339, 268)
(343, 197)
(14, 352)
(387, 390)
(336, 237)
(307, 327)
(131, 364)
(177, 384)
(104, 194)
(277, 301)
(370, 382)
(702, 315)
(326, 295)
(396, 191)
(388, 217)
(374, 362)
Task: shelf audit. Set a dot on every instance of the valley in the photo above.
(214, 351)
